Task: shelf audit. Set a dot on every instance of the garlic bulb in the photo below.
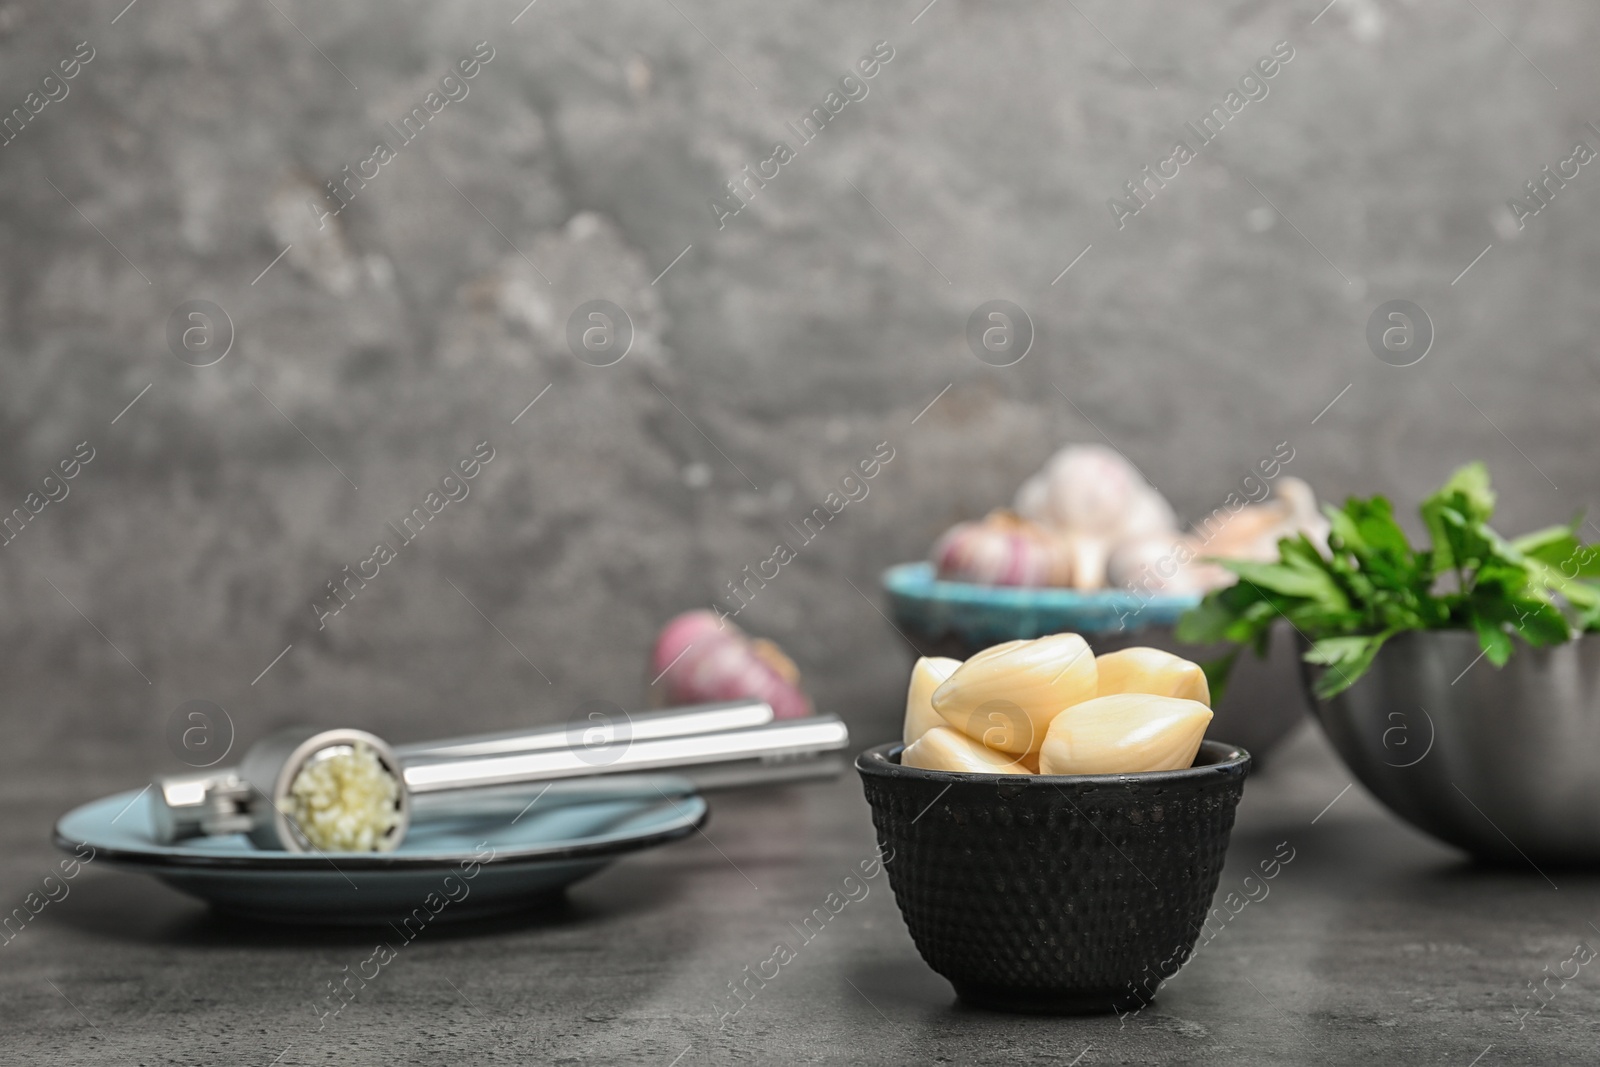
(1006, 696)
(1093, 490)
(701, 658)
(1097, 500)
(1151, 671)
(1162, 564)
(1088, 519)
(1002, 549)
(1123, 734)
(926, 676)
(945, 749)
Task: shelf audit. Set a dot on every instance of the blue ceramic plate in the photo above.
(949, 615)
(502, 855)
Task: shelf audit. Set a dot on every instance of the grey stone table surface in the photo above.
(1374, 945)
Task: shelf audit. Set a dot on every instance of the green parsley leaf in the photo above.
(1370, 583)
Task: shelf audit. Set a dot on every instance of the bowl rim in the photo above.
(916, 580)
(1227, 761)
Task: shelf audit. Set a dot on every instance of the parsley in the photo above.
(1372, 584)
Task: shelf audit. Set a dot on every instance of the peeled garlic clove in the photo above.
(1305, 515)
(1123, 734)
(944, 749)
(1006, 696)
(926, 676)
(1254, 532)
(1089, 555)
(1152, 671)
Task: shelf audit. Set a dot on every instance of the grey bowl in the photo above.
(1504, 764)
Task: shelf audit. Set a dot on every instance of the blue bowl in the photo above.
(965, 618)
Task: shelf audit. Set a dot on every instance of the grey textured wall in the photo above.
(776, 352)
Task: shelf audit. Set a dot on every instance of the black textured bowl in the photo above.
(1068, 894)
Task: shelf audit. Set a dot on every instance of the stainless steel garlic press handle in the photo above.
(694, 742)
(599, 729)
(235, 800)
(761, 747)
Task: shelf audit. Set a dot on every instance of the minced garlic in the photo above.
(344, 800)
